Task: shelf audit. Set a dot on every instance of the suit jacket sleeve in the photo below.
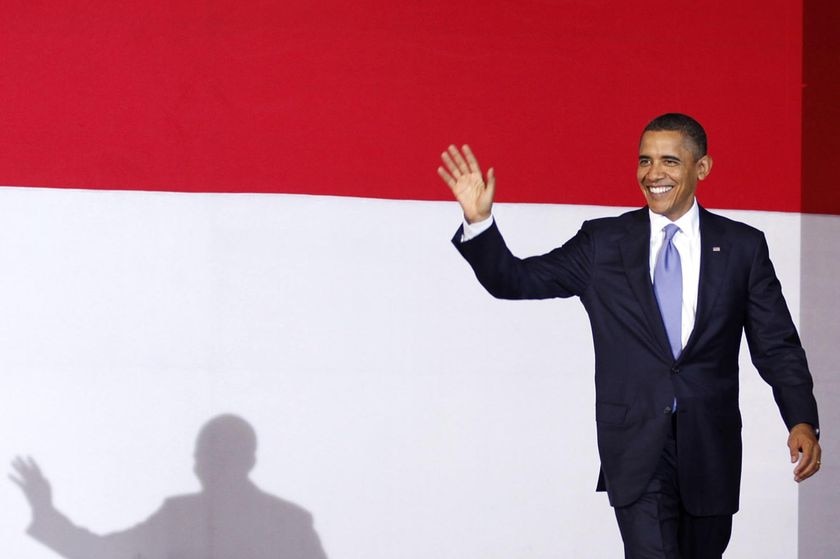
(774, 343)
(563, 272)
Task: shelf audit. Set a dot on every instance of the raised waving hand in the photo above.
(460, 171)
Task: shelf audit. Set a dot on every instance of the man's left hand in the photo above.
(805, 451)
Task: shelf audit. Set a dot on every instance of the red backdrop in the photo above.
(360, 98)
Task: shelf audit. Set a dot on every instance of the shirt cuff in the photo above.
(473, 230)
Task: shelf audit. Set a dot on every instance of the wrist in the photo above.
(477, 218)
(806, 427)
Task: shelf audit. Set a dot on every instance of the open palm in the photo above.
(461, 172)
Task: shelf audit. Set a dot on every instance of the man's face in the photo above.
(668, 172)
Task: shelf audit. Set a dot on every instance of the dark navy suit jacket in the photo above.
(606, 264)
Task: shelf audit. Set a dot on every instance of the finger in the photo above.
(795, 447)
(472, 162)
(801, 469)
(447, 178)
(807, 472)
(450, 164)
(459, 160)
(815, 461)
(491, 182)
(17, 481)
(804, 457)
(807, 462)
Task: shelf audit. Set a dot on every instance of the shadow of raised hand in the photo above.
(28, 476)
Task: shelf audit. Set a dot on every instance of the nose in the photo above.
(656, 171)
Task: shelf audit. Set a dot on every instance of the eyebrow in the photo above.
(665, 157)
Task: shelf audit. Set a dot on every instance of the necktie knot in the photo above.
(670, 230)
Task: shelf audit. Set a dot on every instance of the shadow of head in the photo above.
(225, 452)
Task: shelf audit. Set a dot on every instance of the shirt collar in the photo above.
(689, 223)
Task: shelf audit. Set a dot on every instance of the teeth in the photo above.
(660, 189)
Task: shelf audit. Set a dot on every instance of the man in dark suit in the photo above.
(669, 289)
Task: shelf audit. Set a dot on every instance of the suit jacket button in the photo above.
(667, 410)
(675, 370)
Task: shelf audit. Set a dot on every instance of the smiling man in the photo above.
(669, 289)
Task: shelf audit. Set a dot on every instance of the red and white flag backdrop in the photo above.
(232, 207)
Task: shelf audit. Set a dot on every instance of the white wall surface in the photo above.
(819, 500)
(413, 415)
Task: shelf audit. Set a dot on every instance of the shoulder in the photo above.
(612, 229)
(619, 222)
(183, 500)
(735, 231)
(180, 503)
(288, 510)
(707, 217)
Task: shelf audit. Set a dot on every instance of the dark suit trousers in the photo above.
(656, 526)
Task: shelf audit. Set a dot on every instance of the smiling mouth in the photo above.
(660, 189)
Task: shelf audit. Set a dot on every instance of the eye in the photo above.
(644, 162)
(671, 162)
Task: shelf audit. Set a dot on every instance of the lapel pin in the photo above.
(715, 249)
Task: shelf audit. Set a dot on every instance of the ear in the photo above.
(704, 167)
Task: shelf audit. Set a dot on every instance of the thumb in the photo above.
(794, 451)
(491, 182)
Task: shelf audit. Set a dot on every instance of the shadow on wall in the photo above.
(230, 517)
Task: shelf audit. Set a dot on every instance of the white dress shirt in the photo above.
(687, 243)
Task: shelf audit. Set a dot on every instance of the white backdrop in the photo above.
(413, 415)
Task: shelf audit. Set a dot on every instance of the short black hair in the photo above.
(685, 125)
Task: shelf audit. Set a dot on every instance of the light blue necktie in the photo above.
(667, 285)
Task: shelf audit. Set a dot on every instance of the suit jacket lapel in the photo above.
(714, 256)
(635, 255)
